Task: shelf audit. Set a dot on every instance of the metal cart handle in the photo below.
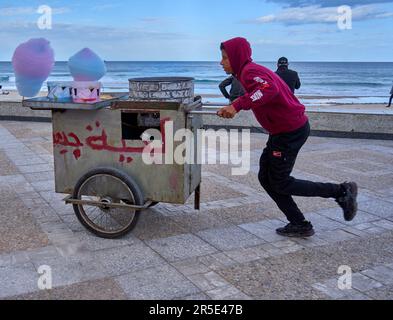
(208, 109)
(211, 104)
(203, 112)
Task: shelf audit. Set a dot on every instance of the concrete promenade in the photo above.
(228, 250)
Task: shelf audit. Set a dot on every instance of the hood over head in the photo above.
(239, 52)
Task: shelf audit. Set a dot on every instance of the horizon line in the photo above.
(258, 61)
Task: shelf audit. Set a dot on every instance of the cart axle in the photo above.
(70, 200)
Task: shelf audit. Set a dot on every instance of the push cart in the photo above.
(98, 152)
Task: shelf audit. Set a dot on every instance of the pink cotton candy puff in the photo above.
(34, 59)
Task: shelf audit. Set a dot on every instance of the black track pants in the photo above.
(276, 165)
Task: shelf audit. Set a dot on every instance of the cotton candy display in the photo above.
(86, 66)
(86, 92)
(59, 91)
(33, 62)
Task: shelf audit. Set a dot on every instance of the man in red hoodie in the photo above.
(278, 111)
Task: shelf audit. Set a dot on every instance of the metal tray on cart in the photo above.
(44, 103)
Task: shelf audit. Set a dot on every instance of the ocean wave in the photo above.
(207, 81)
(347, 84)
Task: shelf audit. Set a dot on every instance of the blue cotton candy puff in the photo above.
(86, 66)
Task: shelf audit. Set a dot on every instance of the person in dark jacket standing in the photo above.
(283, 116)
(391, 98)
(236, 91)
(290, 77)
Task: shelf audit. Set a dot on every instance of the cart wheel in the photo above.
(107, 185)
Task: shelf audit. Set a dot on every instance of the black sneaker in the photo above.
(348, 201)
(303, 230)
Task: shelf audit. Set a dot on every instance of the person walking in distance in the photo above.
(391, 98)
(290, 77)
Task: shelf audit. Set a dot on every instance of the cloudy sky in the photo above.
(174, 30)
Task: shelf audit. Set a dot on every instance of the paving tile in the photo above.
(356, 232)
(200, 221)
(380, 208)
(382, 293)
(337, 214)
(195, 297)
(190, 267)
(385, 224)
(336, 236)
(314, 241)
(247, 254)
(390, 266)
(102, 289)
(7, 167)
(28, 161)
(159, 283)
(216, 189)
(356, 296)
(46, 185)
(14, 258)
(208, 281)
(322, 223)
(154, 225)
(227, 293)
(39, 176)
(271, 250)
(16, 280)
(35, 168)
(217, 261)
(72, 223)
(71, 269)
(52, 196)
(39, 256)
(123, 260)
(229, 238)
(249, 213)
(55, 227)
(264, 230)
(363, 283)
(375, 230)
(181, 247)
(16, 183)
(381, 274)
(32, 200)
(19, 231)
(95, 243)
(331, 289)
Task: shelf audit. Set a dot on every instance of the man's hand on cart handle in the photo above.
(228, 112)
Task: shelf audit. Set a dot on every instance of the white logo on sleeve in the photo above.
(257, 96)
(259, 80)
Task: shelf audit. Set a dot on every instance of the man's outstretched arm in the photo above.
(298, 83)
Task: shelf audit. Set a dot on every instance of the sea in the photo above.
(322, 82)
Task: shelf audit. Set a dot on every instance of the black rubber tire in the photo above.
(137, 194)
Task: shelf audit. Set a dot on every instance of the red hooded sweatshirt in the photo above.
(268, 96)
